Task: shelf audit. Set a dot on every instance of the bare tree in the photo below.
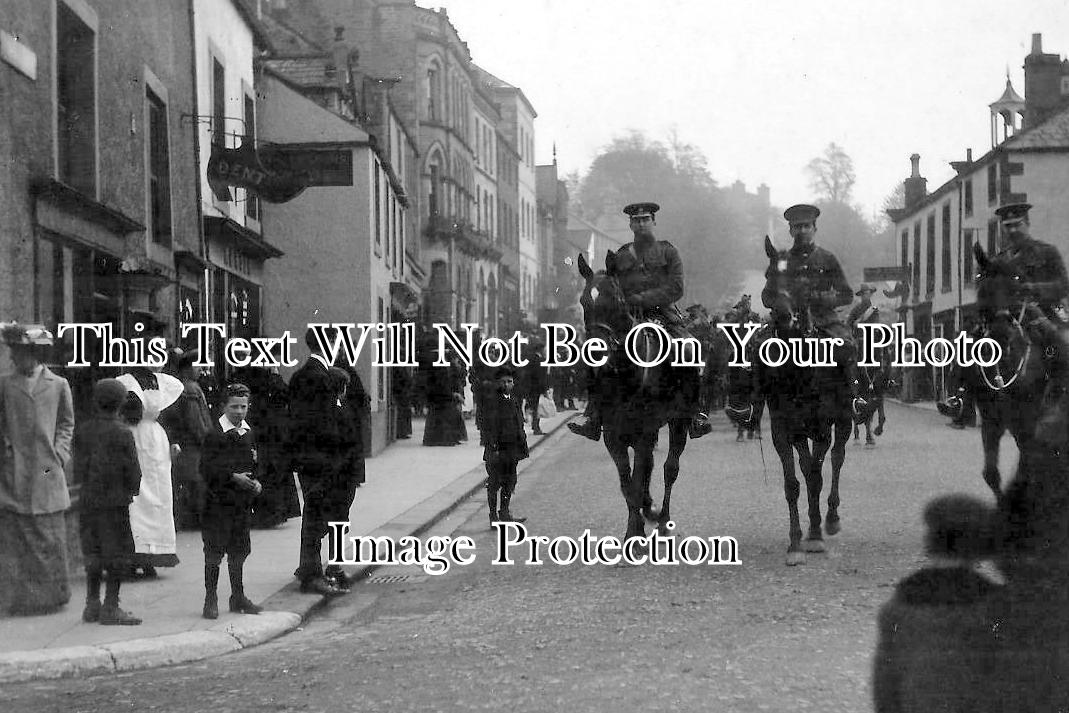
(831, 176)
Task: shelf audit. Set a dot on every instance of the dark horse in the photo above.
(952, 639)
(1008, 394)
(635, 401)
(804, 404)
(873, 383)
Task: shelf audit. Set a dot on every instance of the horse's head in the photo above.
(776, 296)
(1000, 291)
(605, 312)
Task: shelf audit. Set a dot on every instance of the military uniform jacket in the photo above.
(810, 270)
(1040, 262)
(655, 275)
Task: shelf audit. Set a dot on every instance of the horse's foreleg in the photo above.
(629, 485)
(990, 434)
(791, 490)
(838, 457)
(677, 441)
(882, 417)
(814, 483)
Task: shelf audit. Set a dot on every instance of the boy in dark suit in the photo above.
(229, 464)
(505, 445)
(106, 459)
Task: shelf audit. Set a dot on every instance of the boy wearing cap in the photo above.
(106, 458)
(505, 445)
(37, 427)
(229, 465)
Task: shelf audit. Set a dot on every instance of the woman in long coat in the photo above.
(152, 511)
(36, 431)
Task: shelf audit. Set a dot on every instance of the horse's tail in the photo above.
(961, 527)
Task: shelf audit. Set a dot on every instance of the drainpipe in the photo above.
(202, 239)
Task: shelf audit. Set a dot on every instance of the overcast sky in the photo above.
(763, 87)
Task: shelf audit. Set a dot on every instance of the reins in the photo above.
(1000, 384)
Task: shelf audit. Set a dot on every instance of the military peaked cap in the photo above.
(1013, 211)
(639, 210)
(865, 287)
(801, 213)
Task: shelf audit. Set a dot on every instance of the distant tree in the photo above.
(832, 176)
(693, 214)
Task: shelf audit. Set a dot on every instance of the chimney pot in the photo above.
(968, 155)
(915, 160)
(1037, 43)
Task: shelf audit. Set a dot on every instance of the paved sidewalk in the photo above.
(408, 487)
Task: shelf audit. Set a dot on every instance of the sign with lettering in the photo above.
(241, 167)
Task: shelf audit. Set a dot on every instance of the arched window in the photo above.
(434, 91)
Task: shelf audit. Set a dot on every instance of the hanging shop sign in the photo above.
(243, 168)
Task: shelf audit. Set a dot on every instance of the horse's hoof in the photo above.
(832, 527)
(795, 558)
(878, 430)
(815, 546)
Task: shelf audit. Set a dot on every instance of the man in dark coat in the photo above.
(314, 440)
(505, 446)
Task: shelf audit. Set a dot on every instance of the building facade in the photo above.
(935, 232)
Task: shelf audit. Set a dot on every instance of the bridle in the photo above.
(999, 383)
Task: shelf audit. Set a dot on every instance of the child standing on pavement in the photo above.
(505, 445)
(229, 465)
(106, 459)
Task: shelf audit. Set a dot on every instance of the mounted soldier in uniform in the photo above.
(1044, 280)
(650, 273)
(817, 287)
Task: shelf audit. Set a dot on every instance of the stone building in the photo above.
(935, 231)
(98, 198)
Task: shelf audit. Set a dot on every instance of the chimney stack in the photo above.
(916, 186)
(1046, 84)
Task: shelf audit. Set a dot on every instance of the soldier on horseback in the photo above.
(817, 287)
(1044, 281)
(650, 273)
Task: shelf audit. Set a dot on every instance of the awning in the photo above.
(248, 241)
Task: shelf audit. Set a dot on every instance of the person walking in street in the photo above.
(348, 472)
(505, 446)
(105, 457)
(534, 382)
(152, 510)
(314, 441)
(230, 476)
(37, 429)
